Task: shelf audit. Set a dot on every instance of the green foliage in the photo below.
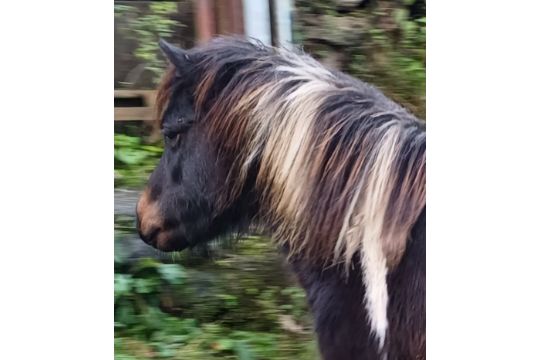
(230, 307)
(382, 44)
(146, 29)
(397, 61)
(134, 160)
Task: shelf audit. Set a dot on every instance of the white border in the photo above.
(483, 180)
(57, 180)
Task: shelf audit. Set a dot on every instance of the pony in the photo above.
(325, 163)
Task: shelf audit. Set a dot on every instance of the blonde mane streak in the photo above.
(366, 218)
(304, 66)
(287, 155)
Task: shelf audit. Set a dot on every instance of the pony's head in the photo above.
(327, 162)
(182, 204)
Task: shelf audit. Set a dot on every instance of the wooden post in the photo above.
(236, 16)
(205, 20)
(229, 17)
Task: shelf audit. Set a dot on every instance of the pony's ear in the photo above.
(176, 56)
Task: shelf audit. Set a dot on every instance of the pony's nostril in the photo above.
(150, 237)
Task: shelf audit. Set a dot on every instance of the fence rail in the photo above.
(134, 105)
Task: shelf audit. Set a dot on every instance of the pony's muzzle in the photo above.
(149, 220)
(152, 228)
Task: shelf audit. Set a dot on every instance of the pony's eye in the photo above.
(173, 139)
(171, 135)
(173, 130)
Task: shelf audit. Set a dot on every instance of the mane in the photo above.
(164, 93)
(341, 168)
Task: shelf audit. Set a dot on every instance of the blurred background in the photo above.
(233, 300)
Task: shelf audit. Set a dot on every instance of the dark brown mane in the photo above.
(164, 92)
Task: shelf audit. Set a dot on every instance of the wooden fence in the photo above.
(135, 105)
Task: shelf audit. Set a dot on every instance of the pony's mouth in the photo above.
(165, 240)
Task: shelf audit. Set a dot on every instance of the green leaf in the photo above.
(242, 351)
(124, 315)
(122, 285)
(400, 15)
(146, 264)
(125, 140)
(225, 344)
(130, 156)
(152, 149)
(145, 286)
(230, 300)
(172, 273)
